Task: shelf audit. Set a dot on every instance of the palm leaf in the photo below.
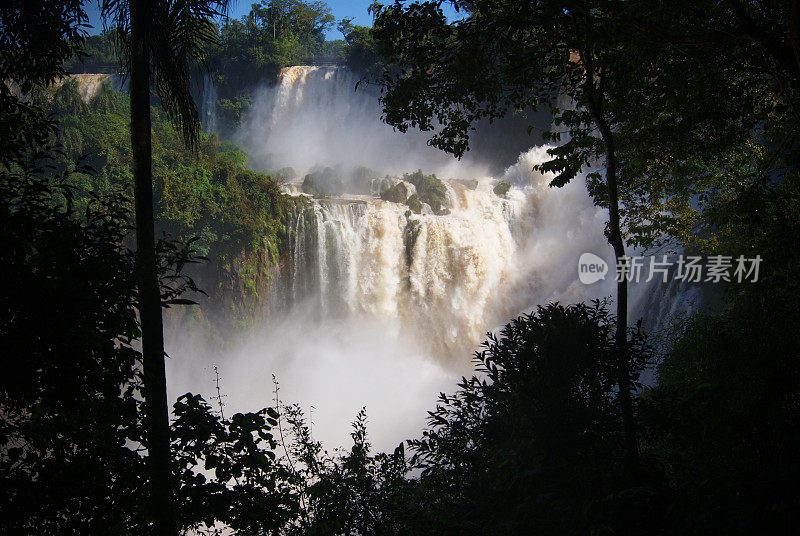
(179, 33)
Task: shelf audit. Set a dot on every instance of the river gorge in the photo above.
(374, 304)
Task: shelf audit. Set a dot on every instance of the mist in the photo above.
(382, 323)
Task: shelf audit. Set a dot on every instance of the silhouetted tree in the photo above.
(535, 438)
(161, 41)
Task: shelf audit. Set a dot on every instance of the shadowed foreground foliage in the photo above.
(71, 428)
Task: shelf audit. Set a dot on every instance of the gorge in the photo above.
(380, 299)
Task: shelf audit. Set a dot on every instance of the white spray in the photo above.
(389, 305)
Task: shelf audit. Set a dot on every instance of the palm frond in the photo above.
(116, 17)
(181, 40)
(179, 33)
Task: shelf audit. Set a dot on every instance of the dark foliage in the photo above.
(35, 40)
(534, 440)
(70, 369)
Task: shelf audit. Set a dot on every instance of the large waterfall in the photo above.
(387, 305)
(442, 281)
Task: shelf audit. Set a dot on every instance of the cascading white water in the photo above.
(440, 280)
(90, 84)
(314, 116)
(388, 305)
(208, 109)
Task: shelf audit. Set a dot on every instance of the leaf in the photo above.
(180, 301)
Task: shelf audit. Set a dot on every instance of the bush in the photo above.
(727, 395)
(532, 439)
(430, 190)
(324, 183)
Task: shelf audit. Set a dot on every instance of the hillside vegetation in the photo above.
(236, 217)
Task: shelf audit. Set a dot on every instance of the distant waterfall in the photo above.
(314, 116)
(208, 109)
(90, 84)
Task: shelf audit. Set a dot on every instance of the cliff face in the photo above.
(239, 216)
(241, 293)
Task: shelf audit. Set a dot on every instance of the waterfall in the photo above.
(386, 307)
(314, 116)
(208, 109)
(90, 84)
(442, 281)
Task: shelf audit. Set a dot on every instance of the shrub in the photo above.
(414, 204)
(430, 190)
(324, 183)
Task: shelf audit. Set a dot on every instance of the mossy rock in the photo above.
(396, 194)
(361, 179)
(414, 204)
(502, 188)
(430, 189)
(323, 183)
(285, 174)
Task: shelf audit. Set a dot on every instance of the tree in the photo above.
(503, 56)
(532, 439)
(37, 38)
(359, 50)
(161, 41)
(705, 113)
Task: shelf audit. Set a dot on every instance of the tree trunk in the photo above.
(615, 239)
(623, 363)
(155, 384)
(794, 32)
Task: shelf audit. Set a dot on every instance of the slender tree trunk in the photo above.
(615, 239)
(155, 384)
(623, 364)
(794, 32)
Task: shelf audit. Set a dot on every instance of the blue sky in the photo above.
(355, 9)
